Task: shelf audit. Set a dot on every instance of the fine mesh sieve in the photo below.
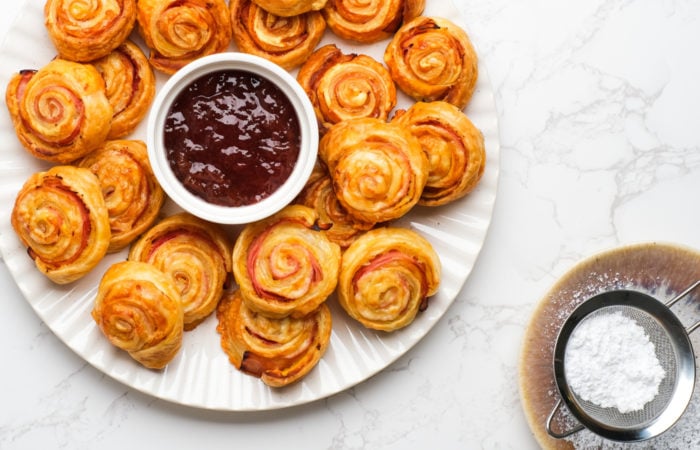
(673, 350)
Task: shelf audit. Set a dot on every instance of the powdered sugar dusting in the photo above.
(685, 434)
(611, 362)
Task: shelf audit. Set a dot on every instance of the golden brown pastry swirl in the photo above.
(196, 254)
(455, 149)
(369, 21)
(346, 86)
(60, 112)
(386, 277)
(278, 351)
(288, 8)
(130, 86)
(338, 225)
(138, 310)
(431, 58)
(61, 217)
(286, 41)
(180, 31)
(283, 265)
(378, 169)
(85, 30)
(130, 189)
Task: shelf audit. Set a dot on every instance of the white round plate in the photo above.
(201, 375)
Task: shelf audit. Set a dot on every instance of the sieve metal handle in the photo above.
(674, 300)
(563, 434)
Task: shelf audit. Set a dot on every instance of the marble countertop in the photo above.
(599, 148)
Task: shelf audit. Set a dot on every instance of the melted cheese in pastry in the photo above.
(83, 31)
(286, 41)
(178, 32)
(346, 86)
(138, 309)
(278, 351)
(378, 169)
(431, 58)
(196, 254)
(61, 217)
(369, 21)
(130, 189)
(130, 85)
(288, 8)
(386, 277)
(284, 265)
(455, 149)
(60, 112)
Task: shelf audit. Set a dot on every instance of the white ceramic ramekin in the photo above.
(158, 155)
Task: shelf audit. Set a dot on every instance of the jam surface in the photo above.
(232, 137)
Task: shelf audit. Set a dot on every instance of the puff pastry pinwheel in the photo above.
(196, 254)
(431, 58)
(346, 86)
(130, 86)
(138, 309)
(286, 41)
(86, 30)
(180, 31)
(283, 265)
(288, 8)
(339, 226)
(378, 169)
(387, 276)
(369, 21)
(278, 351)
(455, 149)
(60, 112)
(61, 217)
(130, 189)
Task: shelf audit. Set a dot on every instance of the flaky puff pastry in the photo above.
(386, 277)
(378, 169)
(130, 189)
(455, 149)
(431, 58)
(278, 351)
(60, 112)
(61, 217)
(196, 254)
(130, 85)
(86, 30)
(284, 265)
(346, 86)
(138, 309)
(286, 41)
(337, 224)
(180, 31)
(288, 8)
(369, 21)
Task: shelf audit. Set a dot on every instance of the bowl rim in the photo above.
(197, 206)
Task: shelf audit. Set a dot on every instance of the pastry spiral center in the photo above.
(56, 114)
(133, 323)
(359, 11)
(88, 13)
(354, 93)
(376, 174)
(122, 73)
(388, 290)
(45, 228)
(57, 223)
(182, 29)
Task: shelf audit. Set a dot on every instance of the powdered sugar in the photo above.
(611, 362)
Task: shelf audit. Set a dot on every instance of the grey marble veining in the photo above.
(597, 105)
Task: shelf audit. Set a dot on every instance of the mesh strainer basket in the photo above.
(673, 349)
